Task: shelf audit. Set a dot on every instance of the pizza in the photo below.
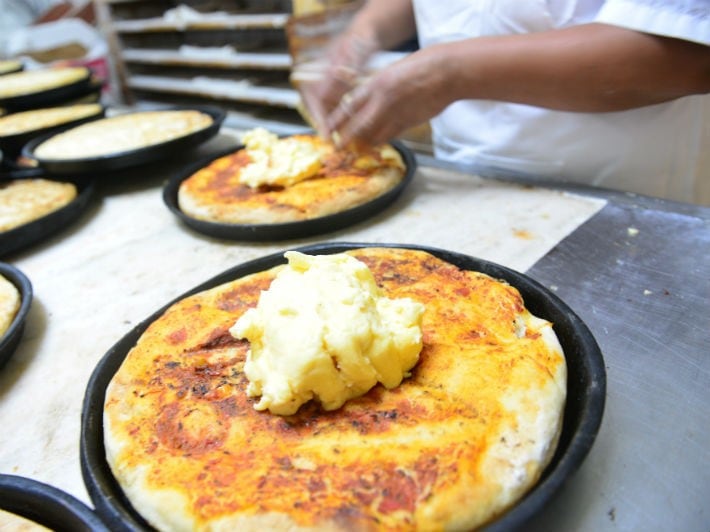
(11, 522)
(34, 81)
(310, 178)
(25, 200)
(122, 133)
(457, 443)
(9, 304)
(36, 119)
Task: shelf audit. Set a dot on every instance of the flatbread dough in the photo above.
(26, 121)
(454, 446)
(345, 180)
(25, 200)
(122, 133)
(9, 304)
(34, 81)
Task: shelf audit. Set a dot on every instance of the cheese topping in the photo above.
(324, 331)
(274, 161)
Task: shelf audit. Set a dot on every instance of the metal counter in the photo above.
(638, 274)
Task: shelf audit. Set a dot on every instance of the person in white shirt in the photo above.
(609, 93)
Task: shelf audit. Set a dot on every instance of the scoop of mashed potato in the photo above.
(324, 331)
(274, 161)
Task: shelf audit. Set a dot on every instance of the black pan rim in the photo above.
(287, 230)
(583, 410)
(31, 233)
(135, 157)
(11, 339)
(11, 145)
(46, 505)
(42, 97)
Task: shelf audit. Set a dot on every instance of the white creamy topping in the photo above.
(324, 331)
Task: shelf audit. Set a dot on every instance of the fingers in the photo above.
(360, 117)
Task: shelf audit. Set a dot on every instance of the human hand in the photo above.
(405, 94)
(323, 83)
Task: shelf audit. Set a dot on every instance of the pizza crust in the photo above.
(9, 304)
(26, 200)
(36, 119)
(33, 81)
(122, 133)
(453, 446)
(215, 194)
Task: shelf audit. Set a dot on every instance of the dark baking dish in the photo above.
(289, 230)
(130, 158)
(46, 505)
(46, 97)
(11, 338)
(586, 389)
(37, 230)
(11, 145)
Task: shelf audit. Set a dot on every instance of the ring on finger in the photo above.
(346, 104)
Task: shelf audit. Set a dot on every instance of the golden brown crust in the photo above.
(345, 180)
(454, 445)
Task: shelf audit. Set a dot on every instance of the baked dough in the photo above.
(346, 179)
(455, 445)
(34, 81)
(26, 121)
(9, 65)
(9, 304)
(122, 133)
(25, 200)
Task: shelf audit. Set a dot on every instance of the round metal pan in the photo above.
(38, 230)
(47, 97)
(46, 505)
(586, 389)
(11, 145)
(11, 170)
(288, 230)
(11, 338)
(130, 158)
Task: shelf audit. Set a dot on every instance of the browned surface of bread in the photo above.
(453, 446)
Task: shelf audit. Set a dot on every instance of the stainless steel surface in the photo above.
(638, 274)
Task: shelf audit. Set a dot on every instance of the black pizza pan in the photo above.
(11, 145)
(25, 235)
(10, 340)
(46, 97)
(130, 158)
(288, 230)
(47, 506)
(586, 389)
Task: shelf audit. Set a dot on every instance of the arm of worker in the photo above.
(588, 68)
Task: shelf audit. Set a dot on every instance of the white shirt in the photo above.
(661, 150)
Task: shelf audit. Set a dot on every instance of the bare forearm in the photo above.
(386, 22)
(588, 68)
